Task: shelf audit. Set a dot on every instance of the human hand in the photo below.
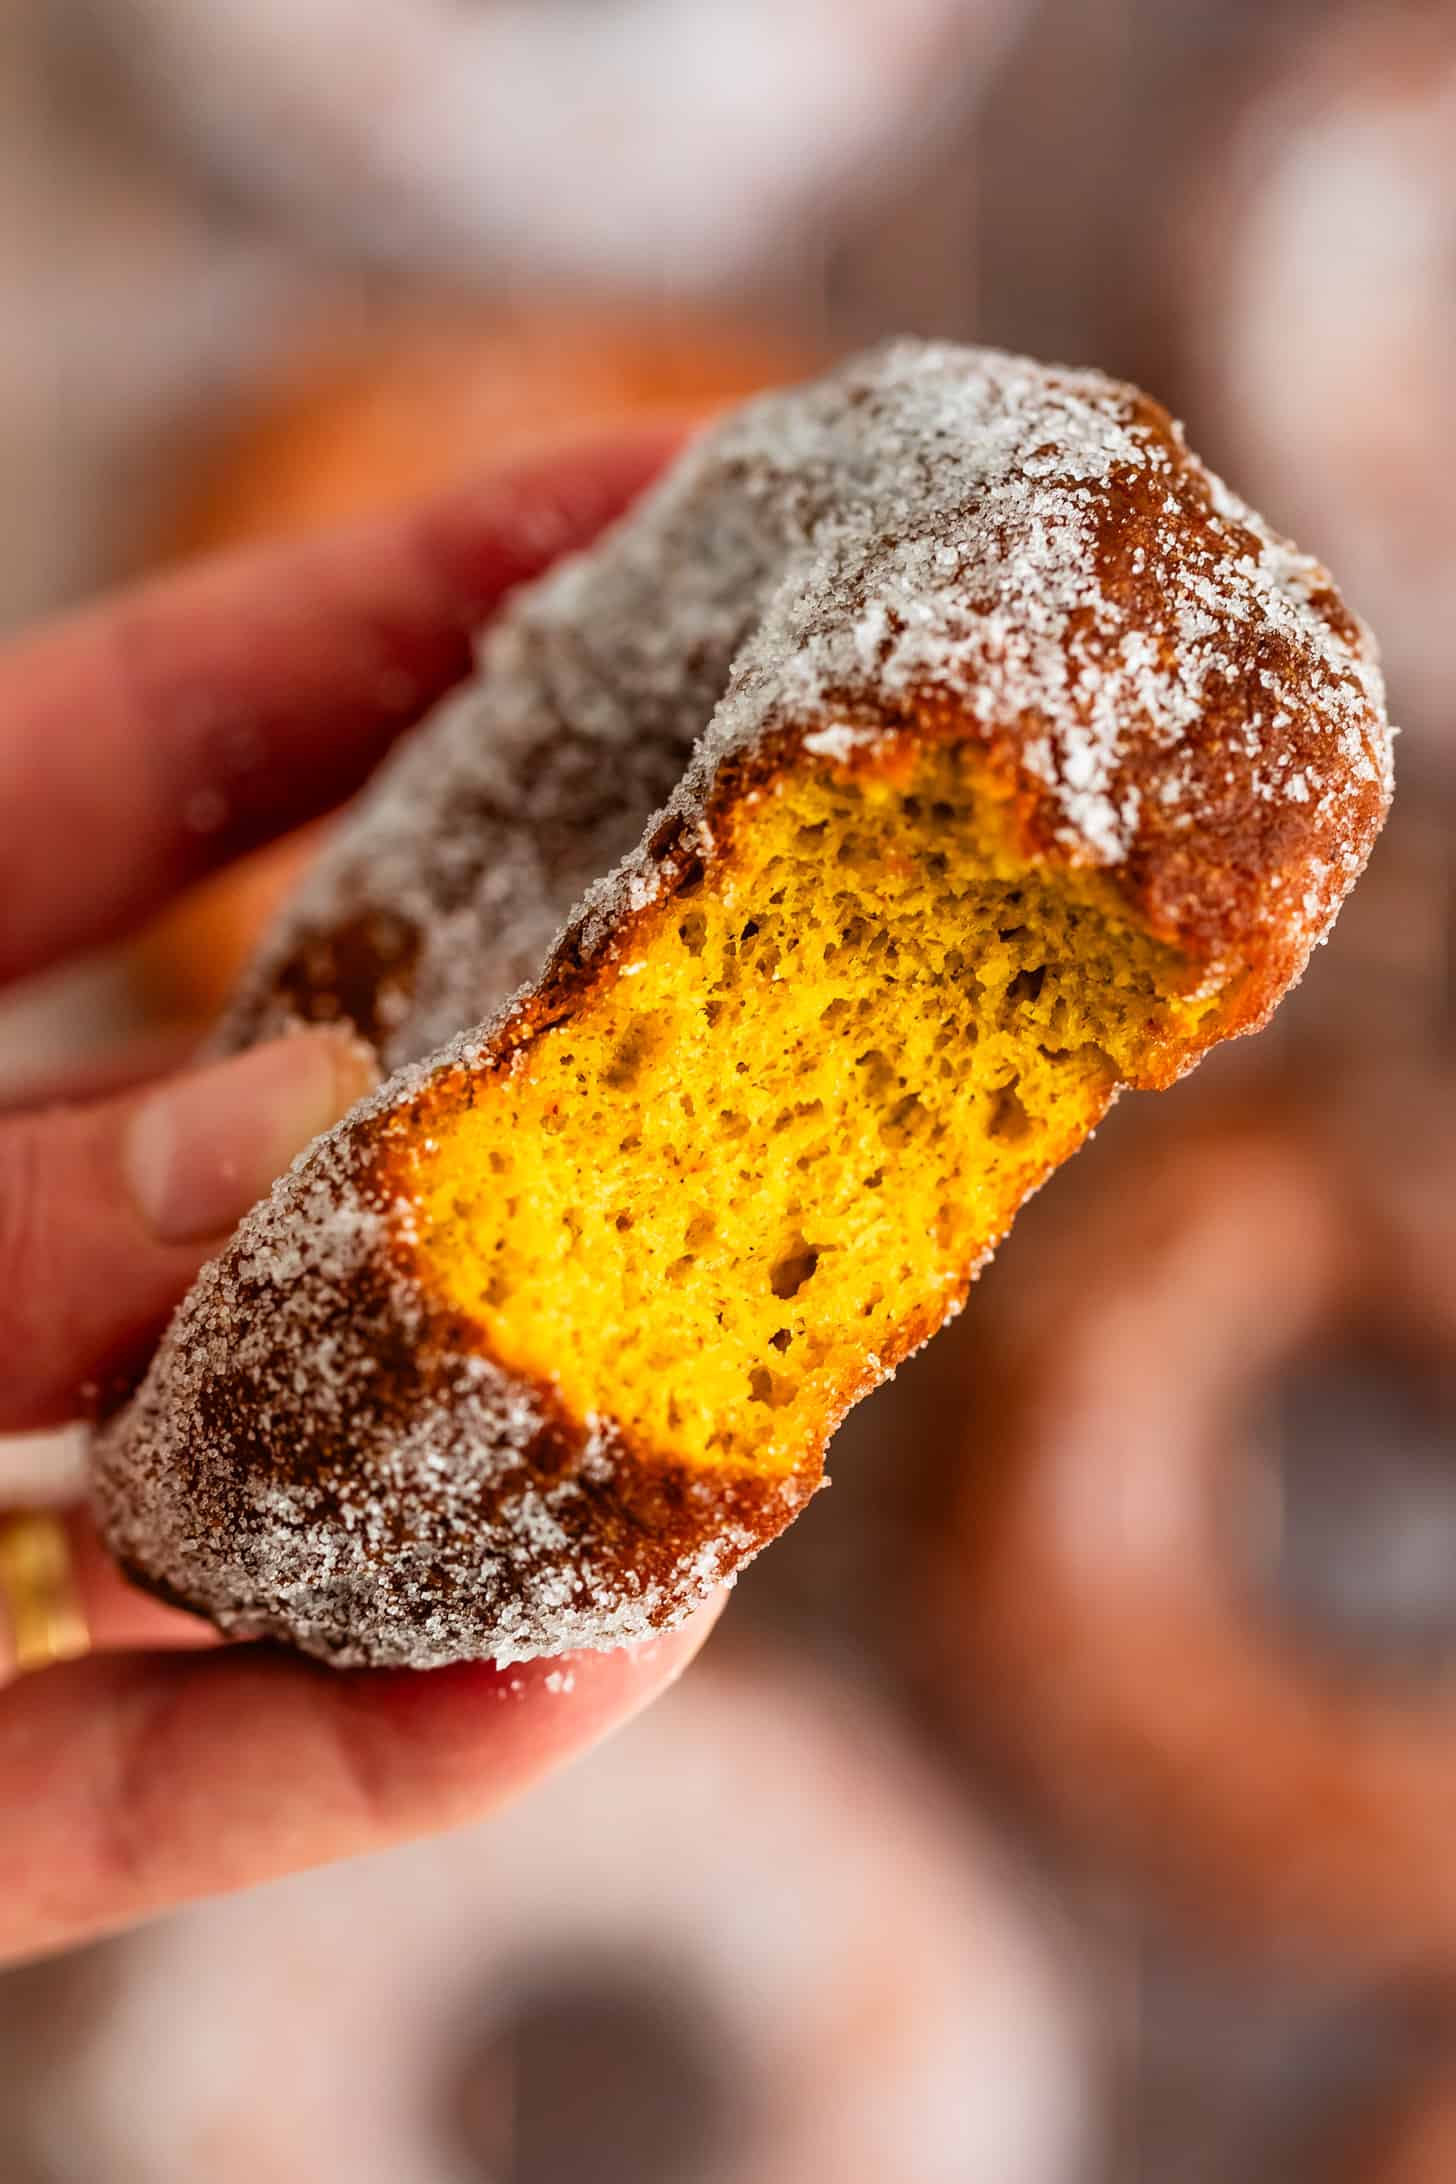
(141, 744)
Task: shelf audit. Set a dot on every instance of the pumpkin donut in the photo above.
(1175, 1722)
(1007, 760)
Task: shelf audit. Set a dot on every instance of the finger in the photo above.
(134, 1783)
(146, 741)
(107, 1211)
(118, 1616)
(117, 1068)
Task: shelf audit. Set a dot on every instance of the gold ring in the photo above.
(38, 1589)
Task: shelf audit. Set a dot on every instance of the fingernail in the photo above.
(200, 1153)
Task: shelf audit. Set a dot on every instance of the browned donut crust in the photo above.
(944, 612)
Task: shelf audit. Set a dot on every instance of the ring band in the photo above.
(38, 1590)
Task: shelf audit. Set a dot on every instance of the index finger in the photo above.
(145, 741)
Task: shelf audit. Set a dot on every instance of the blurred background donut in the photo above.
(1322, 316)
(429, 393)
(750, 1939)
(678, 143)
(1147, 1601)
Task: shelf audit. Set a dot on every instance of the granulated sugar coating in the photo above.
(1039, 544)
(968, 752)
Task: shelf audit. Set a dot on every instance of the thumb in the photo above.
(108, 1210)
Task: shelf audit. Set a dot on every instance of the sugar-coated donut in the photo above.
(673, 144)
(757, 1878)
(1320, 322)
(1108, 1635)
(1033, 765)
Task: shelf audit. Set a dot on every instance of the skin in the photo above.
(256, 691)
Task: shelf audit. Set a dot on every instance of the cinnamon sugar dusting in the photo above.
(1038, 546)
(929, 535)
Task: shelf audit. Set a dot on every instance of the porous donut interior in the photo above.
(764, 1156)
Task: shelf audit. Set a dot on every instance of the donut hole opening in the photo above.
(592, 2070)
(1353, 1544)
(775, 1153)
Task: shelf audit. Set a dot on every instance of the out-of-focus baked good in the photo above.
(748, 1941)
(1273, 1790)
(1318, 322)
(671, 145)
(357, 426)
